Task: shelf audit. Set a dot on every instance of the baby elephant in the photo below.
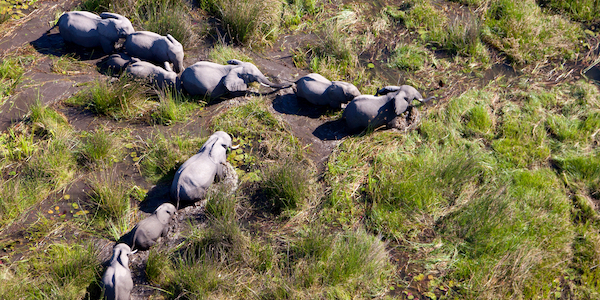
(195, 175)
(156, 48)
(374, 111)
(117, 280)
(90, 30)
(318, 90)
(155, 74)
(148, 230)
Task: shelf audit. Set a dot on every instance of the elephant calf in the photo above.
(148, 230)
(90, 30)
(155, 74)
(195, 175)
(117, 280)
(215, 80)
(318, 90)
(374, 111)
(154, 47)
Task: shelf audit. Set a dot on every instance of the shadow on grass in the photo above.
(53, 44)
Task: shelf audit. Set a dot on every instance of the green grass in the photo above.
(61, 271)
(161, 156)
(585, 11)
(409, 57)
(11, 72)
(221, 53)
(286, 185)
(247, 22)
(100, 148)
(527, 35)
(110, 195)
(173, 107)
(122, 99)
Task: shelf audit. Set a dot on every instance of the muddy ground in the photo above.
(320, 134)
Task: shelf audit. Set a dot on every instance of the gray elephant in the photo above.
(90, 30)
(215, 80)
(117, 63)
(373, 111)
(194, 177)
(154, 47)
(318, 90)
(117, 280)
(148, 230)
(155, 74)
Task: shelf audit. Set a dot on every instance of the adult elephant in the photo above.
(215, 80)
(90, 30)
(319, 90)
(154, 47)
(373, 111)
(194, 177)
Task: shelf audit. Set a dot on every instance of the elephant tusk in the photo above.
(235, 147)
(134, 251)
(263, 84)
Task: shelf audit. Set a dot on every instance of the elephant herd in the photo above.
(149, 56)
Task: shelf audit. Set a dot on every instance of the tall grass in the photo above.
(61, 271)
(121, 99)
(163, 155)
(247, 22)
(527, 35)
(579, 10)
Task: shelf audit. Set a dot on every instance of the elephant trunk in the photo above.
(426, 99)
(264, 81)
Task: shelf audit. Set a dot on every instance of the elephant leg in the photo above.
(107, 46)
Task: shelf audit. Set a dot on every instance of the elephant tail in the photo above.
(55, 25)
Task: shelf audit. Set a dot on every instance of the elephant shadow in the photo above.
(332, 130)
(54, 44)
(290, 104)
(157, 195)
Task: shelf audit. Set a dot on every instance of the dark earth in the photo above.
(311, 125)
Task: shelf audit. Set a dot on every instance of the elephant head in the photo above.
(120, 255)
(217, 146)
(403, 96)
(165, 212)
(121, 25)
(239, 77)
(175, 53)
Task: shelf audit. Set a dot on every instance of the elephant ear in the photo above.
(400, 103)
(387, 89)
(235, 62)
(173, 40)
(234, 82)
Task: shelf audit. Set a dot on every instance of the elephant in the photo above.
(193, 178)
(155, 74)
(117, 63)
(374, 111)
(154, 47)
(148, 230)
(318, 90)
(117, 279)
(215, 80)
(90, 30)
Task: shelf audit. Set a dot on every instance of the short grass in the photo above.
(585, 11)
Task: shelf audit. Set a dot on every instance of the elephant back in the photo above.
(203, 77)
